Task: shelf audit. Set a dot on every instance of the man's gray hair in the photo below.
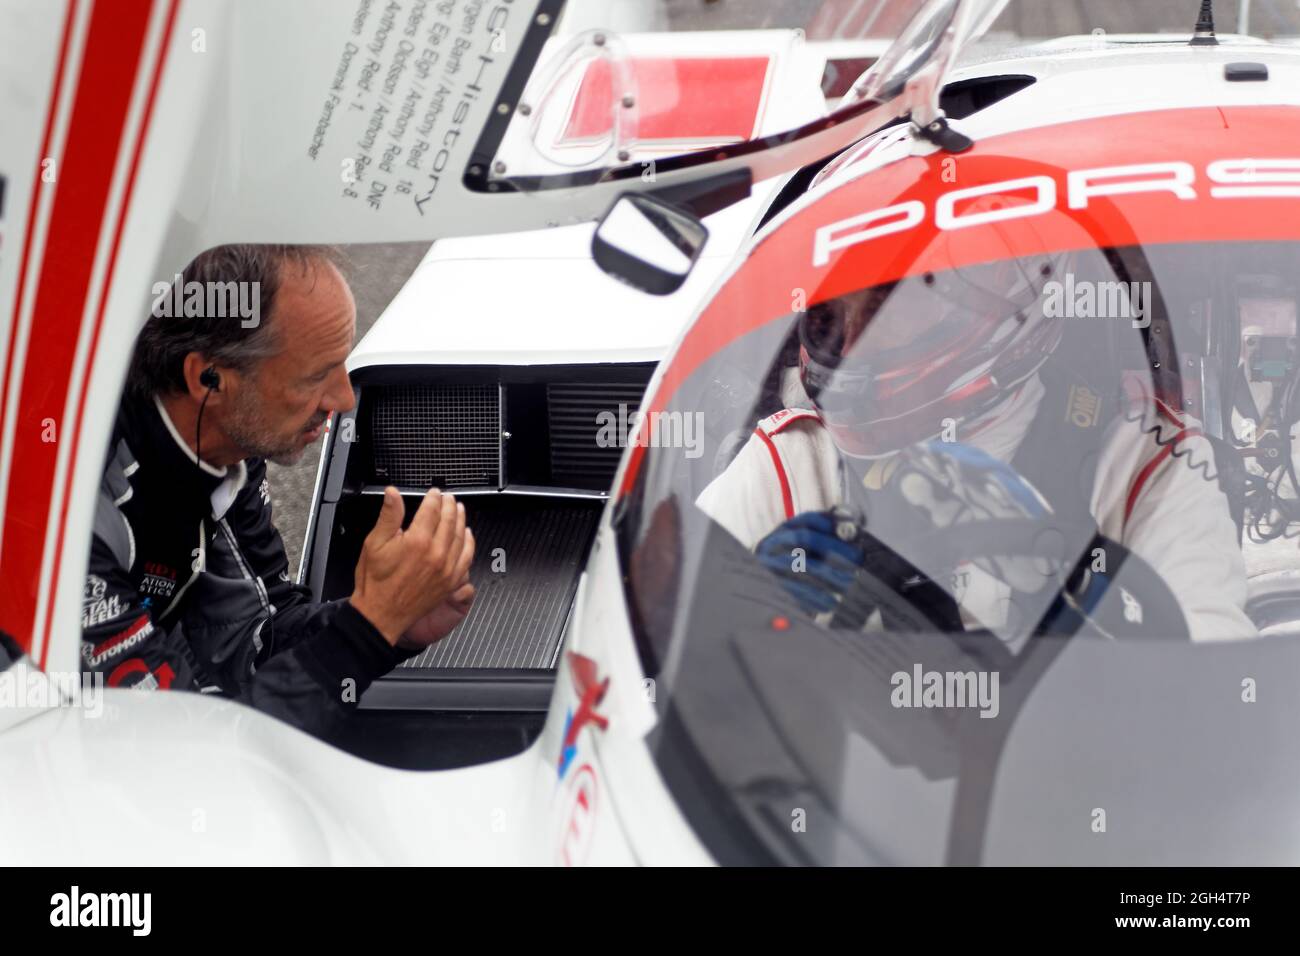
(158, 364)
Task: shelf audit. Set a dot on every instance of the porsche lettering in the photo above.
(1245, 178)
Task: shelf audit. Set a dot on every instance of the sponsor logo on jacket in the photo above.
(118, 643)
(1084, 406)
(97, 605)
(158, 581)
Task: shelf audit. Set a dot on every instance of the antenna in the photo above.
(1204, 35)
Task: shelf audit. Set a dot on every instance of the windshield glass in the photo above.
(631, 84)
(930, 428)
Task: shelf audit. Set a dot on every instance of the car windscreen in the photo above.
(657, 84)
(857, 527)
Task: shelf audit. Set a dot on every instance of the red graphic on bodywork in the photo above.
(579, 825)
(591, 691)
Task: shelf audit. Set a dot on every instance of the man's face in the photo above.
(864, 320)
(281, 404)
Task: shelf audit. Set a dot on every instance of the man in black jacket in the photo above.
(188, 585)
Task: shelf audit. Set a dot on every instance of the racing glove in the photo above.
(810, 561)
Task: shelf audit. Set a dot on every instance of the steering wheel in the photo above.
(1088, 596)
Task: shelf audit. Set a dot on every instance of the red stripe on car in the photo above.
(68, 19)
(75, 424)
(114, 43)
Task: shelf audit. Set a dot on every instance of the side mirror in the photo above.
(647, 243)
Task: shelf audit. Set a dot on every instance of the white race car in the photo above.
(859, 282)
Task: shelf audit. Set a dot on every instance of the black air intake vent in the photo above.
(445, 436)
(578, 458)
(529, 554)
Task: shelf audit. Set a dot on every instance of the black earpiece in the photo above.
(210, 380)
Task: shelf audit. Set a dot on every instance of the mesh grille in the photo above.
(518, 615)
(446, 436)
(577, 459)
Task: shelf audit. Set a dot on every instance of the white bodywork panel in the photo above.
(186, 779)
(537, 298)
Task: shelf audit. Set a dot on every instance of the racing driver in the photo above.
(901, 380)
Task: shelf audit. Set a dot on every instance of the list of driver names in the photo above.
(407, 78)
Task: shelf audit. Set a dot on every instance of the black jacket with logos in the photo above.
(189, 588)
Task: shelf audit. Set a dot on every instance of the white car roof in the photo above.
(1083, 77)
(1088, 77)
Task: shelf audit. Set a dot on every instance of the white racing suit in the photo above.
(1161, 506)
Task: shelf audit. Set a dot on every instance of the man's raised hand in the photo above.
(402, 575)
